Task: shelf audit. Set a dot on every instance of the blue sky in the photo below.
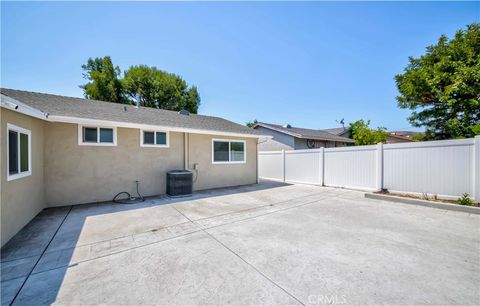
(306, 64)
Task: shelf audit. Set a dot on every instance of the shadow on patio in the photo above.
(59, 238)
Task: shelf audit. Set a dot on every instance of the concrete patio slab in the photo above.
(357, 252)
(88, 224)
(193, 269)
(247, 197)
(10, 288)
(71, 256)
(263, 244)
(35, 236)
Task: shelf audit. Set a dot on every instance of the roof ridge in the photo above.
(296, 127)
(304, 132)
(93, 100)
(49, 94)
(82, 108)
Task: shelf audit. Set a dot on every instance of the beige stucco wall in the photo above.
(221, 175)
(65, 173)
(22, 198)
(83, 174)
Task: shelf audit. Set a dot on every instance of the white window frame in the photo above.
(98, 143)
(229, 151)
(12, 127)
(167, 133)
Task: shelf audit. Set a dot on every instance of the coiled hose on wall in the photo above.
(129, 199)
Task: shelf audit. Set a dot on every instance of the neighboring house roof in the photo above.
(77, 110)
(337, 131)
(404, 133)
(402, 138)
(304, 133)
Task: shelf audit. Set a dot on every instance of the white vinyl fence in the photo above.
(446, 168)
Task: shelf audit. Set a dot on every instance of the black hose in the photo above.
(123, 192)
(129, 199)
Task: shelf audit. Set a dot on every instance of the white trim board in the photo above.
(22, 108)
(147, 126)
(19, 107)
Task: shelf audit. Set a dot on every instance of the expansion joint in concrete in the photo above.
(41, 255)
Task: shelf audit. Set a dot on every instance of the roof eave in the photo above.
(348, 140)
(76, 120)
(19, 107)
(277, 129)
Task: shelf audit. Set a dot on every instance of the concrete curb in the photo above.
(454, 207)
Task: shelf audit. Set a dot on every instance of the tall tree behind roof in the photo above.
(156, 88)
(442, 87)
(104, 83)
(150, 86)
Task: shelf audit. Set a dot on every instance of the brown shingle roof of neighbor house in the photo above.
(304, 133)
(60, 107)
(404, 133)
(404, 138)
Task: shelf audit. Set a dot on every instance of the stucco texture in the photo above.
(282, 141)
(22, 198)
(279, 141)
(221, 175)
(66, 173)
(83, 174)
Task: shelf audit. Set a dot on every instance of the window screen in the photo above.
(148, 138)
(89, 134)
(220, 151)
(106, 135)
(12, 152)
(237, 151)
(161, 138)
(24, 152)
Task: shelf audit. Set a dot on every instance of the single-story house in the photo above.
(408, 134)
(340, 131)
(286, 137)
(392, 137)
(59, 150)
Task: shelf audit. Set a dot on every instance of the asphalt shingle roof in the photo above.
(55, 105)
(336, 131)
(306, 133)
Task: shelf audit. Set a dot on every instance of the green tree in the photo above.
(103, 79)
(156, 88)
(419, 137)
(251, 123)
(148, 85)
(442, 87)
(476, 129)
(364, 135)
